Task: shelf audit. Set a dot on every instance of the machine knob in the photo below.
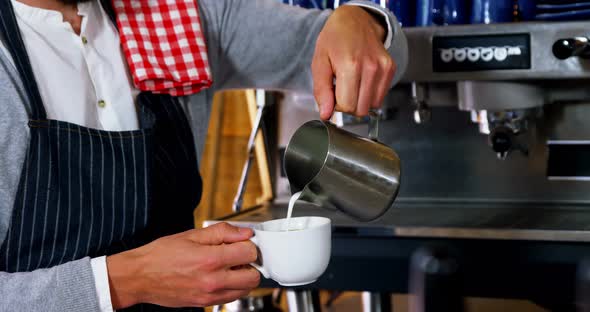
(422, 114)
(569, 47)
(501, 142)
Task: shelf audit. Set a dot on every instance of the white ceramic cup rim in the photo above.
(321, 221)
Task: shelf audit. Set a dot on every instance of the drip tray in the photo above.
(539, 222)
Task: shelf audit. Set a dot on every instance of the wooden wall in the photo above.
(225, 154)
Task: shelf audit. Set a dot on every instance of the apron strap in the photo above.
(16, 47)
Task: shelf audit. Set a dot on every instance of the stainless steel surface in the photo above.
(247, 304)
(544, 64)
(339, 170)
(448, 160)
(445, 94)
(376, 302)
(475, 220)
(374, 116)
(301, 301)
(238, 201)
(549, 80)
(499, 95)
(422, 112)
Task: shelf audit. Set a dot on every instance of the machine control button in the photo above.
(481, 52)
(500, 54)
(487, 54)
(501, 141)
(473, 54)
(446, 55)
(460, 55)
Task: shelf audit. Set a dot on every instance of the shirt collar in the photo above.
(85, 8)
(36, 15)
(51, 17)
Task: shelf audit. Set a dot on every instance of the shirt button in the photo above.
(84, 40)
(102, 104)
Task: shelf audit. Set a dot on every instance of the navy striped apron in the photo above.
(88, 193)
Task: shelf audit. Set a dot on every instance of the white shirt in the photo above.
(90, 83)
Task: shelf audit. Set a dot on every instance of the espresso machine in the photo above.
(492, 125)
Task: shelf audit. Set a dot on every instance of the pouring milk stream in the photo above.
(292, 201)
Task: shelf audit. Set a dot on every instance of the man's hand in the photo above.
(196, 268)
(350, 49)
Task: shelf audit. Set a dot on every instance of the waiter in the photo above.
(98, 180)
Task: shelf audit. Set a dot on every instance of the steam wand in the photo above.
(239, 199)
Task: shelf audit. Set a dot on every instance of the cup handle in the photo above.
(259, 267)
(374, 116)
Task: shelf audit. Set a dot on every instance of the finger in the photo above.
(348, 81)
(244, 279)
(221, 233)
(388, 68)
(367, 90)
(323, 85)
(241, 267)
(238, 254)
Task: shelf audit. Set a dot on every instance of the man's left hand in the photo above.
(350, 48)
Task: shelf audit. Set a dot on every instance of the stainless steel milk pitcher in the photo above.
(337, 169)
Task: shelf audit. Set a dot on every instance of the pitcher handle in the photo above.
(374, 116)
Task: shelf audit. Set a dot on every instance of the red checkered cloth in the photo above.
(164, 45)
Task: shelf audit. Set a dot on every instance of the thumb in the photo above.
(221, 233)
(323, 85)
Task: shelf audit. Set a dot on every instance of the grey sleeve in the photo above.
(268, 45)
(67, 287)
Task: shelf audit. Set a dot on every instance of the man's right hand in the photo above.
(196, 268)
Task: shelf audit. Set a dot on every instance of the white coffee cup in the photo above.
(295, 257)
